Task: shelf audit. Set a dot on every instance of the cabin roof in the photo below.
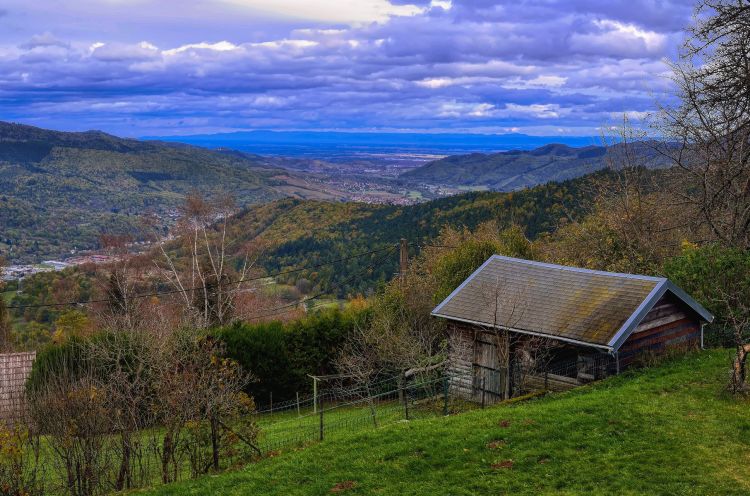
(581, 306)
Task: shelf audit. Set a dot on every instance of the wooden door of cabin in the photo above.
(488, 377)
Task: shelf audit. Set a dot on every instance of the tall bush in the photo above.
(281, 355)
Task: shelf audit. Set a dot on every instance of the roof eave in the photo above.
(635, 318)
(648, 303)
(697, 307)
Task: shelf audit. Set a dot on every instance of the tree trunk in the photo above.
(166, 456)
(215, 441)
(508, 366)
(739, 370)
(123, 476)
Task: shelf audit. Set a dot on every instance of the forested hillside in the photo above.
(513, 170)
(60, 191)
(291, 233)
(296, 233)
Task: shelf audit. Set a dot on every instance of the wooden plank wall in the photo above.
(668, 326)
(460, 359)
(15, 369)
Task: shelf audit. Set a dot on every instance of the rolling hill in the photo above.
(513, 170)
(296, 233)
(664, 430)
(59, 190)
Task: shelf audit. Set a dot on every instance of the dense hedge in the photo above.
(55, 360)
(280, 355)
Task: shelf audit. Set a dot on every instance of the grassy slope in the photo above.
(667, 430)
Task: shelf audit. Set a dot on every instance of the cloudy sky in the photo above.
(145, 67)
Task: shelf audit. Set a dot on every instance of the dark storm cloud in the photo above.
(535, 66)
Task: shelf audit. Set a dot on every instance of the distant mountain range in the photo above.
(59, 190)
(517, 169)
(345, 145)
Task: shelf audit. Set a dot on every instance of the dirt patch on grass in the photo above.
(502, 464)
(496, 444)
(343, 486)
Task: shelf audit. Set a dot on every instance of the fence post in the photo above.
(405, 396)
(445, 395)
(315, 395)
(483, 391)
(298, 413)
(271, 401)
(321, 425)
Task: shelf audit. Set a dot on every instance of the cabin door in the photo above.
(488, 376)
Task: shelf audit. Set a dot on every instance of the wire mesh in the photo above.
(354, 410)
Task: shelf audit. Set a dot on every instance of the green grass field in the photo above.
(666, 430)
(7, 296)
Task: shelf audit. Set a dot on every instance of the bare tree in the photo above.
(646, 219)
(22, 469)
(401, 340)
(517, 355)
(208, 284)
(71, 411)
(126, 361)
(711, 125)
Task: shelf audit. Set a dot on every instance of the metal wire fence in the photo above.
(340, 409)
(429, 396)
(334, 394)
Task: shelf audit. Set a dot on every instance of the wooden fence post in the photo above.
(483, 390)
(298, 412)
(321, 425)
(405, 396)
(445, 396)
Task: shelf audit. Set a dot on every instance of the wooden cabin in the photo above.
(519, 325)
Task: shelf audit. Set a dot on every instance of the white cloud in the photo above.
(286, 44)
(616, 38)
(443, 4)
(111, 52)
(346, 11)
(221, 46)
(456, 109)
(536, 110)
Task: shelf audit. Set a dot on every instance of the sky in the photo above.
(178, 67)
